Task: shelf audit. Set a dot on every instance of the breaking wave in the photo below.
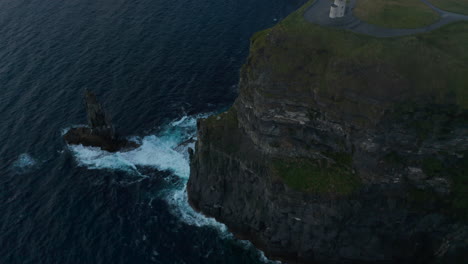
(24, 163)
(164, 152)
(158, 151)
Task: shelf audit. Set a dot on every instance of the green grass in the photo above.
(318, 176)
(394, 159)
(299, 60)
(429, 67)
(423, 197)
(428, 121)
(432, 167)
(459, 177)
(456, 6)
(222, 130)
(395, 13)
(456, 171)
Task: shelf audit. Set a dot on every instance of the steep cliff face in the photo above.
(342, 148)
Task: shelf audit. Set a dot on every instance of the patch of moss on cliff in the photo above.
(432, 167)
(360, 74)
(459, 177)
(222, 130)
(394, 159)
(323, 176)
(428, 121)
(456, 171)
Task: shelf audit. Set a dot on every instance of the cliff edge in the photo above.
(343, 148)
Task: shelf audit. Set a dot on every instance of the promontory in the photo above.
(343, 146)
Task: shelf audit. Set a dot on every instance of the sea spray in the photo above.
(24, 163)
(163, 152)
(156, 151)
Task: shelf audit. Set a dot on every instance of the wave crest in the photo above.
(163, 152)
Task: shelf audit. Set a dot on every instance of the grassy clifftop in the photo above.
(457, 6)
(341, 73)
(395, 13)
(309, 58)
(356, 78)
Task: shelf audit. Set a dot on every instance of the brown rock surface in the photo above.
(100, 132)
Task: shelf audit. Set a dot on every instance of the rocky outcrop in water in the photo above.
(328, 159)
(100, 132)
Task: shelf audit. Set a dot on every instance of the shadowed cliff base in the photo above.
(342, 147)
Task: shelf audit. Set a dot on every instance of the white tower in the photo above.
(338, 9)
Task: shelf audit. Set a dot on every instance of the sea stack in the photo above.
(98, 120)
(100, 132)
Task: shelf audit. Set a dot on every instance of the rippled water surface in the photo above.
(157, 65)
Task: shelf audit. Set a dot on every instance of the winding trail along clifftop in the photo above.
(318, 13)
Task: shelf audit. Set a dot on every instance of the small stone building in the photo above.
(338, 9)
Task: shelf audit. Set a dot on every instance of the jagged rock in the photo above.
(98, 120)
(100, 132)
(184, 144)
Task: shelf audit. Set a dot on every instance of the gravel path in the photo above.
(318, 13)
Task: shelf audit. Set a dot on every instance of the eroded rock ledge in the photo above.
(331, 158)
(100, 132)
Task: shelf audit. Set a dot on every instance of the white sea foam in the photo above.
(65, 130)
(95, 158)
(24, 161)
(180, 207)
(157, 151)
(163, 152)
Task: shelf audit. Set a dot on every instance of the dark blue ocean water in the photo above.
(157, 65)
